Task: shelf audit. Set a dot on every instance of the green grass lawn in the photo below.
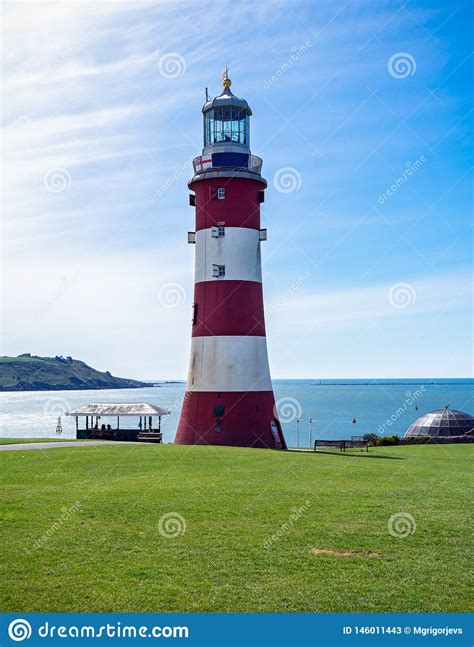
(245, 548)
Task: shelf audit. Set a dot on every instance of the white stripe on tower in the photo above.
(238, 250)
(231, 363)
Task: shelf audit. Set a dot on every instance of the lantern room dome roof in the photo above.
(442, 423)
(225, 99)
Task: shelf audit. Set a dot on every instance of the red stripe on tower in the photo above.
(228, 308)
(209, 208)
(229, 396)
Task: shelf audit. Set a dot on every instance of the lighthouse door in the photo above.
(276, 435)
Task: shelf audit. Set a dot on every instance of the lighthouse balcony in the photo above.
(228, 160)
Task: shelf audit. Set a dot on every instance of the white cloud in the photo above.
(371, 303)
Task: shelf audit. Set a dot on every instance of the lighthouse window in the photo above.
(218, 271)
(220, 194)
(218, 232)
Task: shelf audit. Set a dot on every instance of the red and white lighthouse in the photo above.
(229, 396)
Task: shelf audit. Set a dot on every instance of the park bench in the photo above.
(329, 443)
(342, 444)
(354, 443)
(150, 437)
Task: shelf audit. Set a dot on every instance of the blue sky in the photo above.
(102, 115)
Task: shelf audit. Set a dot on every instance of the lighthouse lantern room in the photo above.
(229, 396)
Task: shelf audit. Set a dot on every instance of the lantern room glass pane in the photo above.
(227, 124)
(211, 127)
(207, 129)
(236, 115)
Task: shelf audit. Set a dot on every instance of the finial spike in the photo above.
(226, 82)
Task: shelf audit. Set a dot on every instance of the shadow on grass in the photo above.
(347, 454)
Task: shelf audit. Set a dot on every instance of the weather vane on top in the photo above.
(226, 82)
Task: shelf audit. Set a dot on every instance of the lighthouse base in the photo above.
(238, 419)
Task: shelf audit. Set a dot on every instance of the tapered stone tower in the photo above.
(229, 396)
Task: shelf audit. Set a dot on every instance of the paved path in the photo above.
(81, 443)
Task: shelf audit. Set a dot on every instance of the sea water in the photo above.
(385, 407)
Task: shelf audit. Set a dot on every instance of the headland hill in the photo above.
(34, 373)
